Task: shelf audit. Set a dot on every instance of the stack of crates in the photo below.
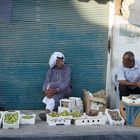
(73, 104)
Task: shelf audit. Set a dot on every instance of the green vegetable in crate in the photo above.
(27, 116)
(11, 118)
(64, 113)
(53, 114)
(75, 114)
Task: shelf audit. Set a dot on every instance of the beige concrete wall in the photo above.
(125, 36)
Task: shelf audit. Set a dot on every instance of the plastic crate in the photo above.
(112, 121)
(27, 120)
(1, 117)
(14, 125)
(132, 114)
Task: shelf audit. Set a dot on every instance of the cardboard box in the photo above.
(71, 105)
(71, 102)
(133, 114)
(97, 101)
(77, 101)
(67, 103)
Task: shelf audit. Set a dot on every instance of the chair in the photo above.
(116, 88)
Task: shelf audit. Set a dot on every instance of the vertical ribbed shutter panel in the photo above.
(38, 28)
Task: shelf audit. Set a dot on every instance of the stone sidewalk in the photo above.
(41, 131)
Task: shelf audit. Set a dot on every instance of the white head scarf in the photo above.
(52, 60)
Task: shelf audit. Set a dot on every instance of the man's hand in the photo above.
(50, 92)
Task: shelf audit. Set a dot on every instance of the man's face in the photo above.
(59, 63)
(127, 62)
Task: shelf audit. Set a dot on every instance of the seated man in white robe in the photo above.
(57, 84)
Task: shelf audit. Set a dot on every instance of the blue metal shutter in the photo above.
(37, 29)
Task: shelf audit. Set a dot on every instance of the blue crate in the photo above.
(131, 113)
